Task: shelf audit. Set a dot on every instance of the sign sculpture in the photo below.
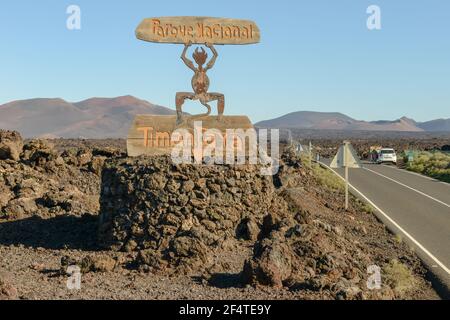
(153, 134)
(200, 82)
(346, 158)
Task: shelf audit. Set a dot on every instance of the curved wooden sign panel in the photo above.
(198, 30)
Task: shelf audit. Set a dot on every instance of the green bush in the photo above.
(433, 164)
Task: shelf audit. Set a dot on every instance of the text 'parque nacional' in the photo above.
(198, 30)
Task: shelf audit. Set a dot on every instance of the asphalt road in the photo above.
(420, 206)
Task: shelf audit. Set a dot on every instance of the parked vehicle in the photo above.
(387, 155)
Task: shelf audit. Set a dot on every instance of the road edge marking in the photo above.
(411, 238)
(411, 188)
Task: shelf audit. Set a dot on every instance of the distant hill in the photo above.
(339, 121)
(92, 118)
(309, 120)
(98, 118)
(435, 125)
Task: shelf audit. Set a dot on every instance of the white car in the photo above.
(387, 155)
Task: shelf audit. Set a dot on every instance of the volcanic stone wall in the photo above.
(174, 215)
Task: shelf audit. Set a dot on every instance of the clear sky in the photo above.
(314, 55)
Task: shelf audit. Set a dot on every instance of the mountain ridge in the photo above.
(91, 118)
(340, 121)
(100, 117)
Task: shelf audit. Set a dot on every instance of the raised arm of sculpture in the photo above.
(213, 59)
(186, 61)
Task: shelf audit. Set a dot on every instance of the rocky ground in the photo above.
(303, 246)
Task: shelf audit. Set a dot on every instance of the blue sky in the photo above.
(314, 55)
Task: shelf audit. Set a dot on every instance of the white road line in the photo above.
(406, 186)
(418, 175)
(417, 243)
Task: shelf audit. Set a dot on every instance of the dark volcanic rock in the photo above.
(45, 182)
(175, 215)
(11, 145)
(91, 263)
(38, 152)
(248, 229)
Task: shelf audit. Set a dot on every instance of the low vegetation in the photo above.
(398, 277)
(363, 206)
(323, 176)
(433, 164)
(327, 178)
(331, 181)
